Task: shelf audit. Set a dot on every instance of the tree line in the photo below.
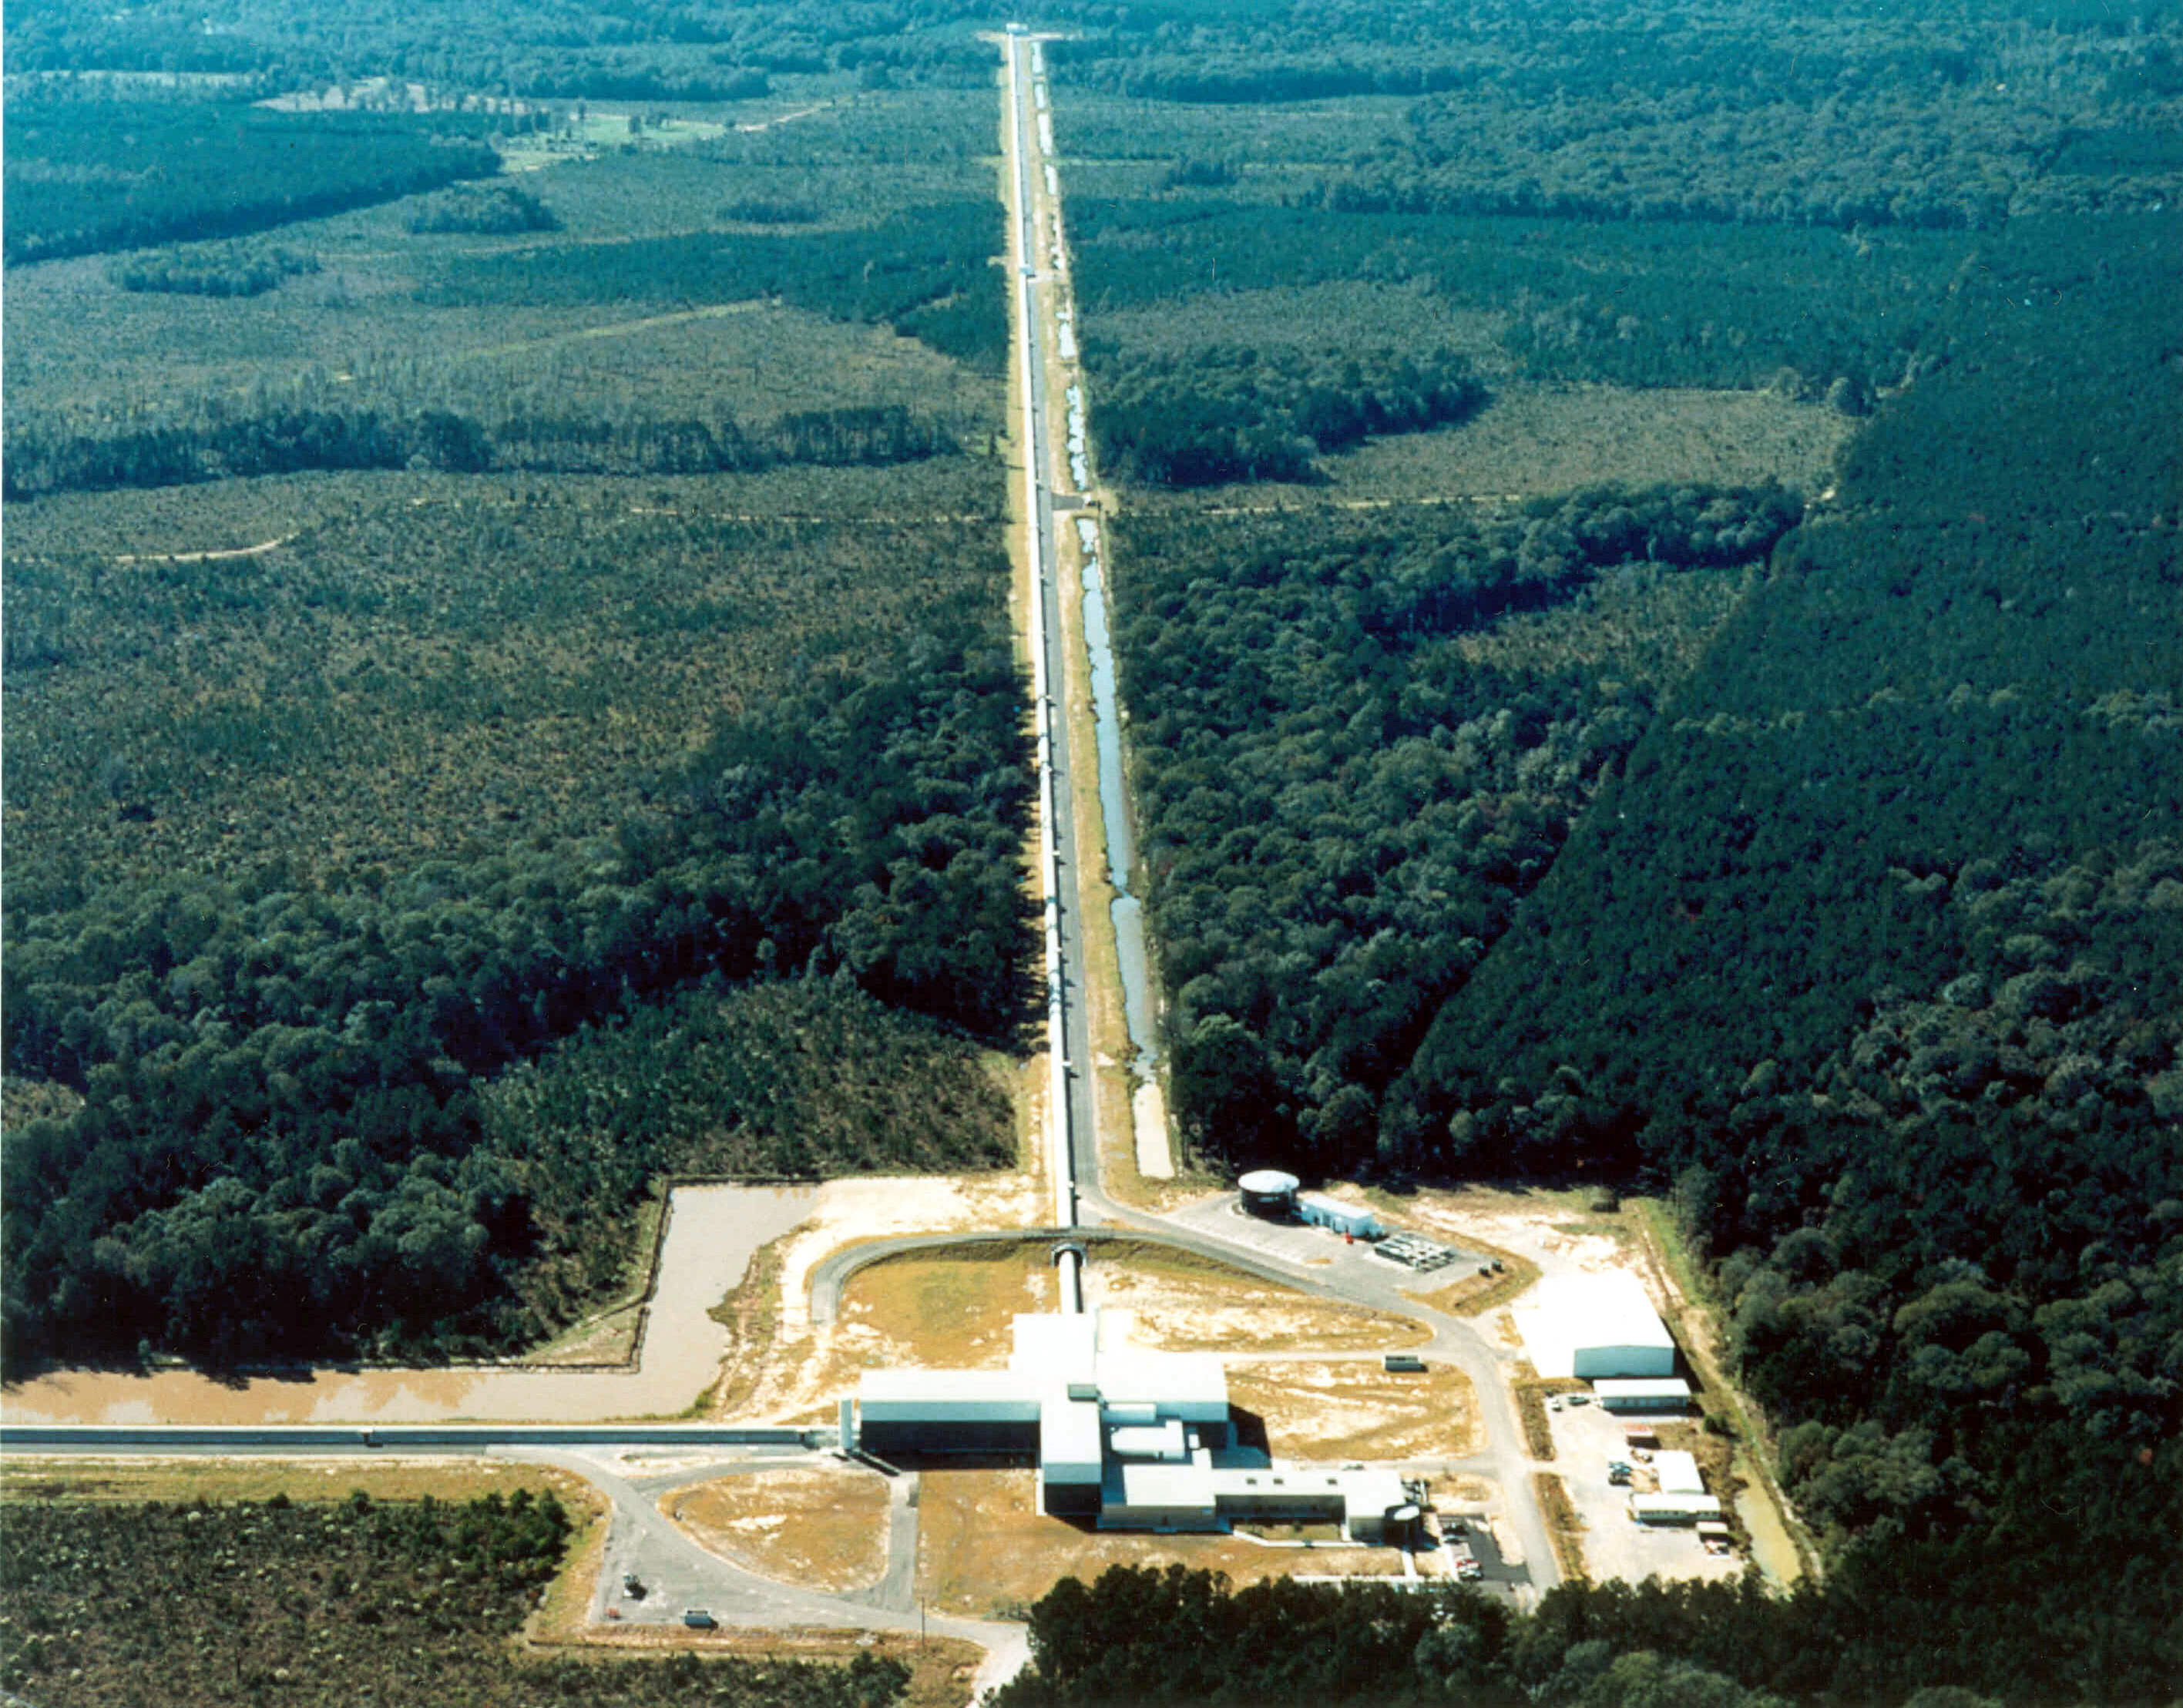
(56, 457)
(87, 176)
(1219, 415)
(1143, 1634)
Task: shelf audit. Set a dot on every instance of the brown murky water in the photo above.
(711, 1233)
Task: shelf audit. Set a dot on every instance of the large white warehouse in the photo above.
(1589, 1326)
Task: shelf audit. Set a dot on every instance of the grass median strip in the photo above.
(1565, 1527)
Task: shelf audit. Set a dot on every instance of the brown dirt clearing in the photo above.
(1356, 1410)
(1176, 1303)
(817, 1529)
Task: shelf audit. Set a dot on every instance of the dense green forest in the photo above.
(1357, 743)
(1831, 897)
(1612, 303)
(1142, 1635)
(142, 1606)
(283, 1149)
(554, 648)
(84, 176)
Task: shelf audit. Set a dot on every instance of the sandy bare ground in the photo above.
(712, 1233)
(817, 1529)
(1165, 1306)
(800, 1373)
(1349, 1410)
(1551, 1228)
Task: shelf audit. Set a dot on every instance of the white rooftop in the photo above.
(1594, 1325)
(1678, 1474)
(984, 1387)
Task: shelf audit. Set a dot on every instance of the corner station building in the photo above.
(1133, 1440)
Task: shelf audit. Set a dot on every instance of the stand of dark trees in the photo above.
(1340, 809)
(86, 176)
(1144, 1635)
(495, 209)
(223, 269)
(45, 458)
(283, 1151)
(1217, 415)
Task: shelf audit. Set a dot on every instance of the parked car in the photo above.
(632, 1585)
(1468, 1570)
(697, 1619)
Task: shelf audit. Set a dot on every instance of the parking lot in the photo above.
(1475, 1537)
(1586, 1438)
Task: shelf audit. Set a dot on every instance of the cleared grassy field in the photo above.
(134, 1481)
(1355, 1409)
(817, 1529)
(952, 1311)
(427, 667)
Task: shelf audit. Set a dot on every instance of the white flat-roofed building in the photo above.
(1192, 1386)
(1678, 1473)
(1673, 1509)
(1152, 1495)
(1071, 1452)
(1592, 1326)
(1322, 1212)
(1665, 1393)
(1063, 1348)
(963, 1393)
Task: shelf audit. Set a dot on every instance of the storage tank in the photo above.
(1269, 1192)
